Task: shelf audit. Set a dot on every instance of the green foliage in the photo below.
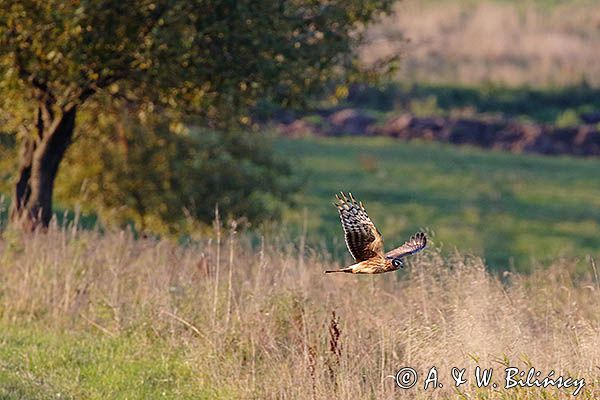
(509, 208)
(537, 104)
(7, 160)
(174, 59)
(201, 56)
(425, 107)
(163, 177)
(567, 119)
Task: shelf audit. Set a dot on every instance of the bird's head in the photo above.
(397, 263)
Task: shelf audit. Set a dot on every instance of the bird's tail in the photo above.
(347, 270)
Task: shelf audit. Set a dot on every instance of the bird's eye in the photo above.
(396, 263)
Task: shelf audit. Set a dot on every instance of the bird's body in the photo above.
(371, 266)
(365, 243)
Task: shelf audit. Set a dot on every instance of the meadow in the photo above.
(239, 315)
(91, 316)
(515, 210)
(509, 278)
(533, 42)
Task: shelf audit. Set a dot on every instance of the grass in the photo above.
(535, 42)
(514, 210)
(84, 315)
(40, 364)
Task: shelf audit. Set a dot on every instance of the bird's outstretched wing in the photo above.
(362, 237)
(417, 242)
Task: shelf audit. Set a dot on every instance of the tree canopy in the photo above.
(183, 62)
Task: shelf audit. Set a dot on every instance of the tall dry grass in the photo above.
(272, 325)
(475, 41)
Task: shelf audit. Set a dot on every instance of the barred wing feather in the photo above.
(362, 237)
(416, 243)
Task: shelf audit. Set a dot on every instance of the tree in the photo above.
(193, 170)
(210, 59)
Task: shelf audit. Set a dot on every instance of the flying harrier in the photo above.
(366, 244)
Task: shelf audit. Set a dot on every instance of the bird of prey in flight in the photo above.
(365, 243)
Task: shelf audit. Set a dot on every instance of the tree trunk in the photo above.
(41, 155)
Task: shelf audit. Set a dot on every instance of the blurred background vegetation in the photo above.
(542, 43)
(517, 211)
(186, 120)
(161, 181)
(155, 96)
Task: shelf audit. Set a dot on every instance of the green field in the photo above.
(515, 210)
(36, 364)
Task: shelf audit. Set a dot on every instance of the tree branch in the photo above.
(24, 73)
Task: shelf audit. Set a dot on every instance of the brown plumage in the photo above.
(365, 243)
